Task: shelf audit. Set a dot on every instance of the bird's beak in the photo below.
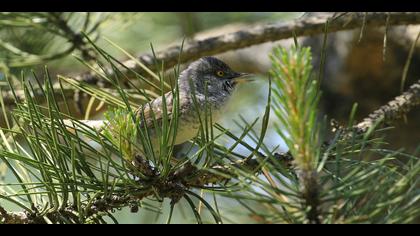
(243, 78)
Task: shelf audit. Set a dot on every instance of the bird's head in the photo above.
(217, 75)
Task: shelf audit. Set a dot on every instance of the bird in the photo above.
(207, 83)
(207, 80)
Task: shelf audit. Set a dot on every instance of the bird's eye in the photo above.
(220, 73)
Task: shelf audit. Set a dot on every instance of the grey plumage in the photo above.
(206, 75)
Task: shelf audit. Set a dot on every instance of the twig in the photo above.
(70, 213)
(12, 217)
(393, 110)
(39, 96)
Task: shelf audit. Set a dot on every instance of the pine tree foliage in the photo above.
(65, 171)
(336, 182)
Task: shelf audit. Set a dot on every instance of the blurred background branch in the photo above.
(304, 26)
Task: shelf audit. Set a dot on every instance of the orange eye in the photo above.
(220, 73)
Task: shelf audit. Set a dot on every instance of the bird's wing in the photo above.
(154, 110)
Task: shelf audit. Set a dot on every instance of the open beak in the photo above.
(243, 78)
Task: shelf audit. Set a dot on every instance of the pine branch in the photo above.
(173, 188)
(297, 97)
(393, 110)
(189, 176)
(69, 213)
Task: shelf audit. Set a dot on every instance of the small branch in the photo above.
(393, 110)
(69, 213)
(11, 218)
(38, 95)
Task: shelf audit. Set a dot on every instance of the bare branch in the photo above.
(39, 96)
(393, 110)
(263, 33)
